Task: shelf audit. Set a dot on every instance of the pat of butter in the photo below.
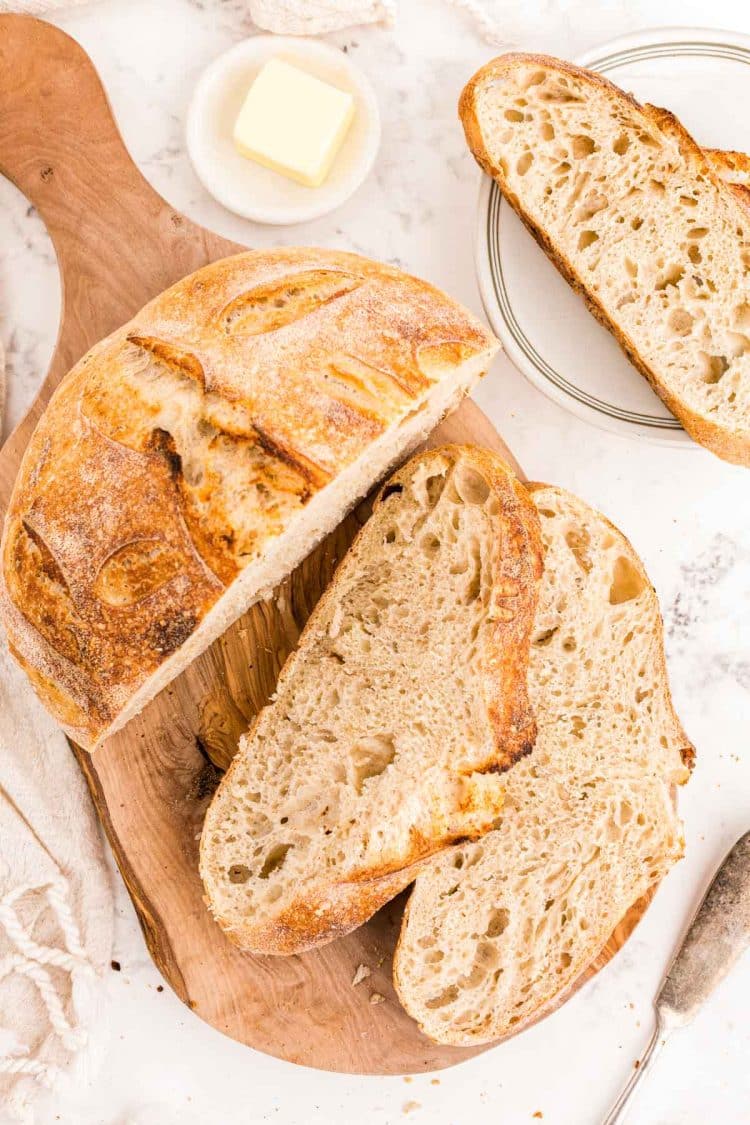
(293, 122)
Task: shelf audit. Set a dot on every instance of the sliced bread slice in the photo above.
(392, 721)
(496, 931)
(637, 218)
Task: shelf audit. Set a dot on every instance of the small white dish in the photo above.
(248, 188)
(545, 328)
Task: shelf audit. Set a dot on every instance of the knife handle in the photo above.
(717, 936)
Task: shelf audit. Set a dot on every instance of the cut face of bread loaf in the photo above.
(192, 459)
(496, 931)
(637, 218)
(395, 717)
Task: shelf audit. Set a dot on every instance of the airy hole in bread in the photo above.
(371, 757)
(471, 486)
(714, 367)
(274, 860)
(498, 922)
(579, 541)
(587, 238)
(627, 581)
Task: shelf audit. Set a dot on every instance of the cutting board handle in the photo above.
(58, 137)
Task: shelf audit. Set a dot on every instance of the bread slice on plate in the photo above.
(638, 219)
(394, 719)
(191, 460)
(496, 931)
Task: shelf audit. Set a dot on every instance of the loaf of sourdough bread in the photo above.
(638, 219)
(496, 932)
(188, 462)
(392, 723)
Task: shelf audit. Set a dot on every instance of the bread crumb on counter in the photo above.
(409, 1107)
(361, 974)
(377, 998)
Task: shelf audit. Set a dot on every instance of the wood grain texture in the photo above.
(118, 244)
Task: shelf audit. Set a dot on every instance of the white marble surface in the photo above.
(686, 512)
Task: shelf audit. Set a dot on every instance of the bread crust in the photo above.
(732, 447)
(334, 907)
(732, 166)
(182, 445)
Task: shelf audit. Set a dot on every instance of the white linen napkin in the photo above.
(56, 906)
(316, 17)
(304, 17)
(56, 909)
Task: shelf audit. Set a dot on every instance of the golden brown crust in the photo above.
(178, 448)
(515, 607)
(320, 919)
(324, 913)
(732, 166)
(733, 447)
(734, 169)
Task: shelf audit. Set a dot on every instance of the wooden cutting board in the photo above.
(118, 244)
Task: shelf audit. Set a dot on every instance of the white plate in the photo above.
(702, 76)
(247, 188)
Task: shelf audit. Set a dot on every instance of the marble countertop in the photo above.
(686, 512)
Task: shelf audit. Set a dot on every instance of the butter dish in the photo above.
(248, 188)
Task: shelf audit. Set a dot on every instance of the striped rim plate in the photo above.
(544, 327)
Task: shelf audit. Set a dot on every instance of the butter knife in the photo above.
(717, 936)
